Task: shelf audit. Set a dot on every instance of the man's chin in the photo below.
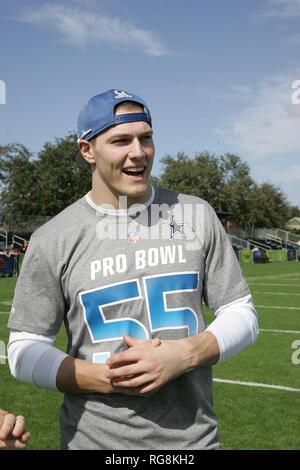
(139, 195)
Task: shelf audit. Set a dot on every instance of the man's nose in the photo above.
(136, 149)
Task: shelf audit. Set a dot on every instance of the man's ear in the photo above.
(86, 151)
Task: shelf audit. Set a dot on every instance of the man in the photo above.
(24, 247)
(130, 266)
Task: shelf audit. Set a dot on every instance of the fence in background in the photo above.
(268, 256)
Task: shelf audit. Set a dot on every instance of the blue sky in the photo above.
(216, 74)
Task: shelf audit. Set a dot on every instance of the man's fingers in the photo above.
(134, 381)
(124, 370)
(25, 436)
(130, 355)
(125, 357)
(7, 425)
(19, 426)
(12, 434)
(144, 390)
(15, 444)
(131, 342)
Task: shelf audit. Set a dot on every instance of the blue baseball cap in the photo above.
(98, 114)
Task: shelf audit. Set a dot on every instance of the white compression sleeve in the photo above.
(33, 359)
(235, 327)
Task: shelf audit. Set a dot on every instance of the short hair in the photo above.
(124, 107)
(129, 107)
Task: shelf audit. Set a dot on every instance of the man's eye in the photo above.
(146, 138)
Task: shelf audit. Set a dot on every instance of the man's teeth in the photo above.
(134, 170)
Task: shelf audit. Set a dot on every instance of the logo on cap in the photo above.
(121, 94)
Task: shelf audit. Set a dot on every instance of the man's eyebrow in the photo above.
(122, 135)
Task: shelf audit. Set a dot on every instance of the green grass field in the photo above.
(256, 394)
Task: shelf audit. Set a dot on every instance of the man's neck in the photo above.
(118, 202)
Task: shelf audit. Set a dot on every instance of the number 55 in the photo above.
(160, 317)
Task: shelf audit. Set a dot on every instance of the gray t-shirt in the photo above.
(144, 273)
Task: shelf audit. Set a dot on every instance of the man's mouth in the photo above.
(134, 171)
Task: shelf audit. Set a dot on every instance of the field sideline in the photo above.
(256, 394)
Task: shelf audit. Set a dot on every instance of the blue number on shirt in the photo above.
(102, 329)
(160, 317)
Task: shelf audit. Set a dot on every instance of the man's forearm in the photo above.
(33, 359)
(202, 349)
(79, 376)
(146, 368)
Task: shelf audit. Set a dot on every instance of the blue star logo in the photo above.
(175, 227)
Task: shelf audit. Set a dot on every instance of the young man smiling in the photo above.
(137, 372)
(121, 159)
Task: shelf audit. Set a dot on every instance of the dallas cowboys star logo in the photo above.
(175, 227)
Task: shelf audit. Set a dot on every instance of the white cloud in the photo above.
(83, 28)
(295, 39)
(264, 131)
(269, 123)
(237, 93)
(281, 8)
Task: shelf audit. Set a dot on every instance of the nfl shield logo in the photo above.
(132, 237)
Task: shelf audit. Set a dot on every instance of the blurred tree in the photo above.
(62, 180)
(18, 181)
(44, 185)
(294, 211)
(200, 176)
(270, 207)
(47, 184)
(226, 184)
(238, 188)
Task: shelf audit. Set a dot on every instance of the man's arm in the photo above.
(79, 376)
(145, 366)
(33, 359)
(146, 370)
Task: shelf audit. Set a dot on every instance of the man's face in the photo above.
(123, 157)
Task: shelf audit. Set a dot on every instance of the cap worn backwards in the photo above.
(98, 114)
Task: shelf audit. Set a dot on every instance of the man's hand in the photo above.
(140, 370)
(80, 376)
(12, 434)
(147, 365)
